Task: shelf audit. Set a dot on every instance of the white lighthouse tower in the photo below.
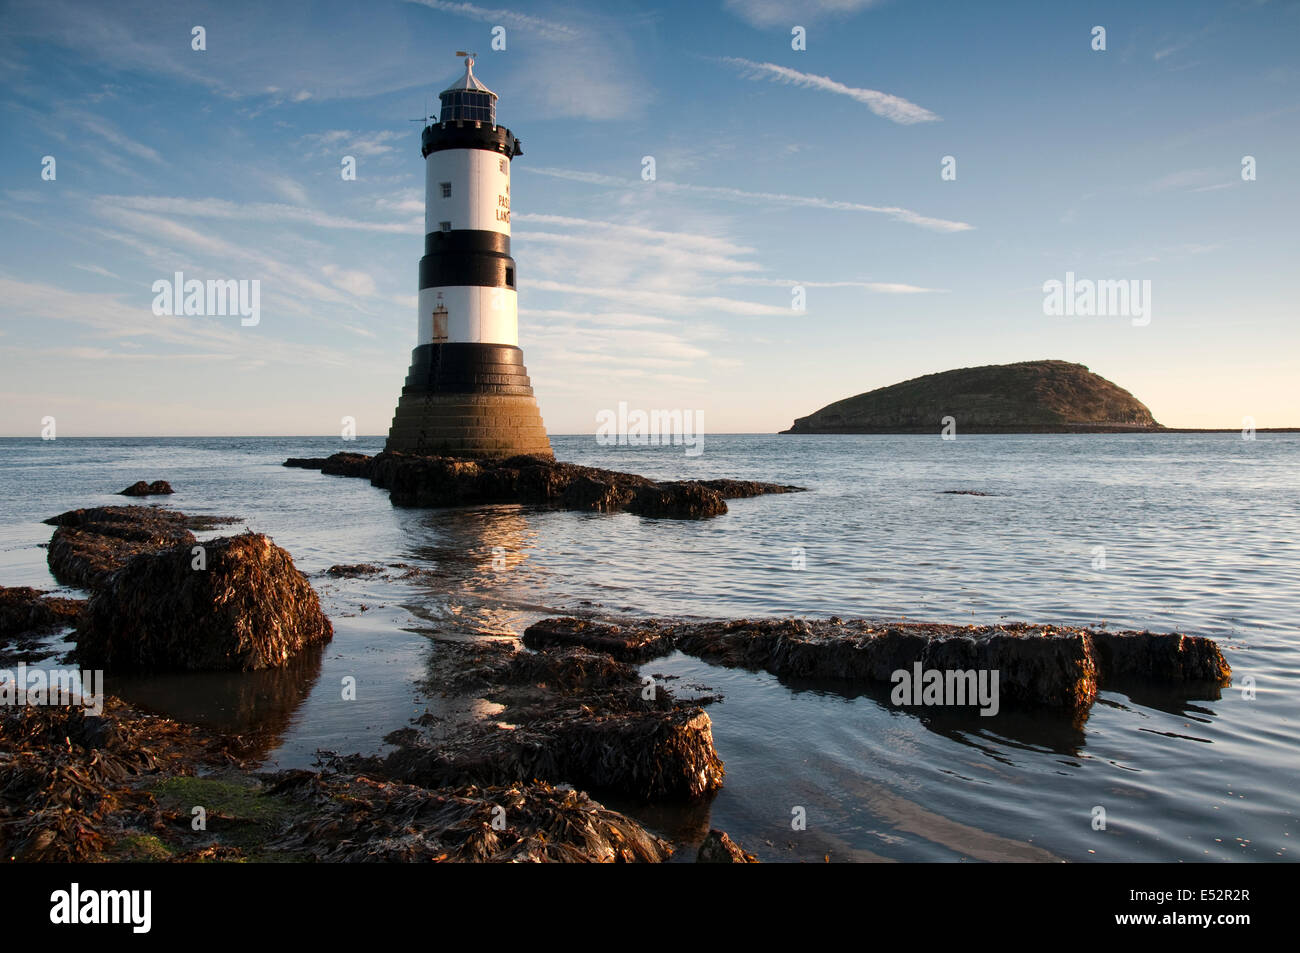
(468, 393)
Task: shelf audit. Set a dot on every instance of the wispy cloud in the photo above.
(880, 287)
(670, 302)
(893, 108)
(586, 70)
(269, 212)
(341, 141)
(511, 18)
(111, 318)
(114, 148)
(668, 255)
(620, 319)
(765, 13)
(353, 282)
(288, 189)
(708, 244)
(779, 198)
(96, 270)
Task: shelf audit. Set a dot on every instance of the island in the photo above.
(1048, 396)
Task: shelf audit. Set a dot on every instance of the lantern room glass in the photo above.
(469, 105)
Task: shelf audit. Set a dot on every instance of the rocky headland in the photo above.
(1028, 397)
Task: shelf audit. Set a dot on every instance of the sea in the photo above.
(1192, 533)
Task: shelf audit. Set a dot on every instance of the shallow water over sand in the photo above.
(1201, 534)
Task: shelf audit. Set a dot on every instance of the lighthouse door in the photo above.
(440, 321)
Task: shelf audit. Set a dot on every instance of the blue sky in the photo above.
(773, 167)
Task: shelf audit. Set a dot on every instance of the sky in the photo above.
(773, 167)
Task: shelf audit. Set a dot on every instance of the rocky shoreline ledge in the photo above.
(109, 781)
(1038, 666)
(421, 481)
(564, 708)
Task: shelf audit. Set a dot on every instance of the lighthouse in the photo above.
(467, 393)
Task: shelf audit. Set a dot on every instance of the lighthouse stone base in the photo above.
(468, 400)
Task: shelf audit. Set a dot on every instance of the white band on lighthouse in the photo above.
(467, 189)
(474, 315)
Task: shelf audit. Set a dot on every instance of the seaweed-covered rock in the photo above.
(627, 643)
(91, 543)
(1166, 657)
(415, 480)
(360, 819)
(80, 787)
(25, 610)
(67, 777)
(687, 500)
(1058, 666)
(140, 488)
(352, 570)
(718, 848)
(249, 608)
(338, 464)
(649, 755)
(572, 714)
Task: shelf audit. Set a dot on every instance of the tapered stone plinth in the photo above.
(468, 400)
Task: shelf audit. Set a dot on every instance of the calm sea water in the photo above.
(1201, 534)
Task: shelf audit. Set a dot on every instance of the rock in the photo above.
(1037, 665)
(351, 571)
(248, 609)
(121, 786)
(347, 464)
(305, 463)
(648, 755)
(338, 464)
(1028, 397)
(66, 776)
(1164, 657)
(91, 544)
(422, 481)
(140, 488)
(688, 500)
(357, 818)
(589, 493)
(573, 715)
(24, 610)
(625, 643)
(718, 848)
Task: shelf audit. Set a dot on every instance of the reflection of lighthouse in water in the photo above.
(468, 392)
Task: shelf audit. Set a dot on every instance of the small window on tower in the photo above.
(510, 277)
(445, 226)
(446, 189)
(503, 166)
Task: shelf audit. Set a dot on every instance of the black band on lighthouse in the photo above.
(468, 369)
(452, 269)
(467, 240)
(469, 135)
